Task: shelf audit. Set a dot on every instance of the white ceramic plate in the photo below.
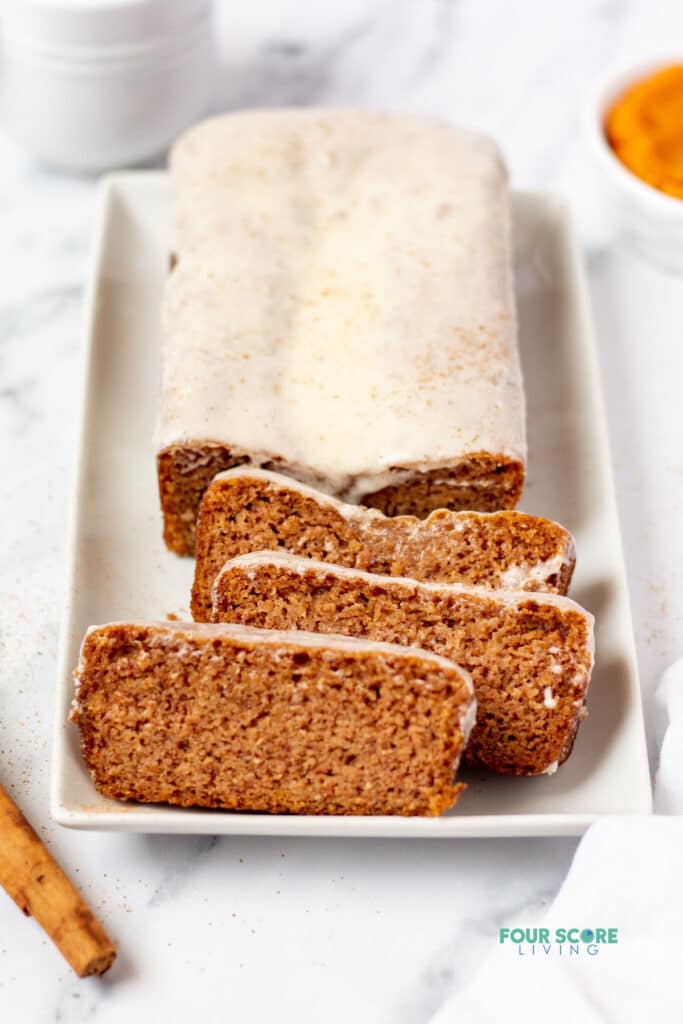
(120, 569)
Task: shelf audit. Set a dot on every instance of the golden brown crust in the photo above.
(480, 482)
(198, 717)
(530, 660)
(244, 513)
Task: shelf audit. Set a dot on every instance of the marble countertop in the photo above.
(253, 929)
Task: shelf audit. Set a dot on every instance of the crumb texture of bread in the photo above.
(240, 719)
(185, 472)
(307, 247)
(530, 656)
(482, 484)
(247, 510)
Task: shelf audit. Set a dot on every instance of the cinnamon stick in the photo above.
(39, 887)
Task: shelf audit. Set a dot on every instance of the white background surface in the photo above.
(373, 931)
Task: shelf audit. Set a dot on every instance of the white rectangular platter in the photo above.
(119, 568)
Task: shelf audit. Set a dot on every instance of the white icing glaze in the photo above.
(468, 719)
(343, 299)
(551, 769)
(295, 563)
(549, 700)
(517, 577)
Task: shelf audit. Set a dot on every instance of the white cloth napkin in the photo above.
(627, 873)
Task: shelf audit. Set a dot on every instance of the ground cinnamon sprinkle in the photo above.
(645, 130)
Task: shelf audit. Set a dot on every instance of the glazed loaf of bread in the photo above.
(341, 309)
(247, 509)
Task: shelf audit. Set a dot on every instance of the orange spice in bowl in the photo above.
(644, 128)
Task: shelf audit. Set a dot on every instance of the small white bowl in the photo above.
(88, 85)
(648, 221)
